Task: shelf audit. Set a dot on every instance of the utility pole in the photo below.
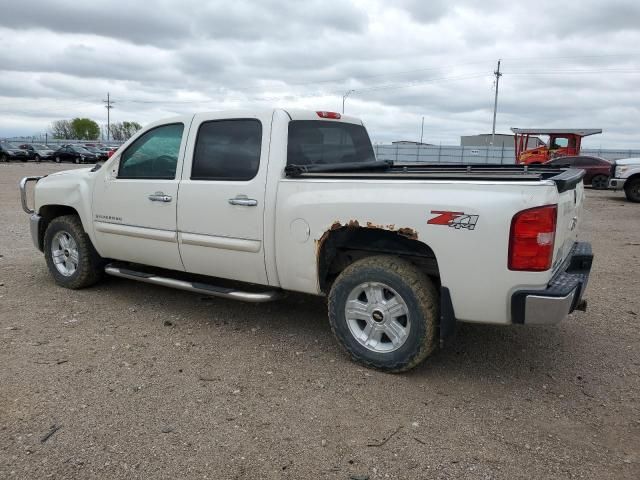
(495, 103)
(108, 106)
(422, 130)
(344, 97)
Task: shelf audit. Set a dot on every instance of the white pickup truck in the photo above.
(625, 175)
(296, 201)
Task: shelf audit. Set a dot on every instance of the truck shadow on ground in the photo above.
(476, 352)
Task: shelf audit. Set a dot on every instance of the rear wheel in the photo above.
(600, 182)
(384, 311)
(632, 190)
(70, 255)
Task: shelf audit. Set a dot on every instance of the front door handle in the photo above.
(159, 197)
(243, 200)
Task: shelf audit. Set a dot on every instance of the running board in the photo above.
(197, 287)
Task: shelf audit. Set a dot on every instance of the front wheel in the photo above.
(70, 255)
(632, 190)
(600, 182)
(383, 310)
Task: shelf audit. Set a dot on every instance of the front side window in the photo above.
(313, 142)
(154, 155)
(227, 150)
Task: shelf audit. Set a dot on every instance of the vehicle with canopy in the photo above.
(562, 143)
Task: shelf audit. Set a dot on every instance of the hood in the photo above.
(628, 161)
(78, 172)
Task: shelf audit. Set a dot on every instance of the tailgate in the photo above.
(570, 202)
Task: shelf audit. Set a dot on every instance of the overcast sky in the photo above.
(573, 64)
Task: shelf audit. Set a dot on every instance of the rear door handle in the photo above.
(159, 197)
(243, 200)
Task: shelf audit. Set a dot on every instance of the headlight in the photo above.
(621, 169)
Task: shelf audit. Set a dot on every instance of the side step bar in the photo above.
(197, 287)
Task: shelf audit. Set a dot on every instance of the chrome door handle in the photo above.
(243, 200)
(159, 197)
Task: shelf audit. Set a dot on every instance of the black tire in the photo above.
(4, 158)
(77, 161)
(416, 291)
(600, 182)
(90, 266)
(57, 159)
(632, 190)
(37, 158)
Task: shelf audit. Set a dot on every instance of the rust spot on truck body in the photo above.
(406, 232)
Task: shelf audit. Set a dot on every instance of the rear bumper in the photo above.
(563, 293)
(617, 183)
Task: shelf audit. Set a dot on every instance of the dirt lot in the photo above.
(147, 382)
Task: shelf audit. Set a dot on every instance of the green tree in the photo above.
(85, 129)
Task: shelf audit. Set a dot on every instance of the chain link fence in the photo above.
(455, 154)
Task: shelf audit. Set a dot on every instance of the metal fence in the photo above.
(455, 154)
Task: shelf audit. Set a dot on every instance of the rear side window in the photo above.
(154, 155)
(313, 142)
(227, 150)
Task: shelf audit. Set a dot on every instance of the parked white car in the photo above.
(295, 200)
(626, 175)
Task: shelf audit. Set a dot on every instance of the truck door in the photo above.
(222, 195)
(134, 204)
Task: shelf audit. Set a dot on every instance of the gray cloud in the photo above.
(568, 65)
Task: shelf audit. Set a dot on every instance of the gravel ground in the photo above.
(127, 380)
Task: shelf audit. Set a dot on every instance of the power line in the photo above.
(495, 103)
(108, 106)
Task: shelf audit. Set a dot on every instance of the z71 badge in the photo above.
(456, 220)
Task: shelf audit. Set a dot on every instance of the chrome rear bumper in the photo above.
(563, 294)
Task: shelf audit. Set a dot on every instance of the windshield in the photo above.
(322, 142)
(39, 146)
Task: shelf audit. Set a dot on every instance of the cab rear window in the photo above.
(318, 142)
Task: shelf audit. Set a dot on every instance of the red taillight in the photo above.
(334, 115)
(532, 237)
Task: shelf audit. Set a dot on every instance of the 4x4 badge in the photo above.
(456, 220)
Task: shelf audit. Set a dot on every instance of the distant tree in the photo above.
(85, 129)
(123, 131)
(62, 129)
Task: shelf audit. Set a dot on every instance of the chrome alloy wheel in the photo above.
(64, 252)
(377, 317)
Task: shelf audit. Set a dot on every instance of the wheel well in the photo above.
(48, 213)
(342, 245)
(635, 176)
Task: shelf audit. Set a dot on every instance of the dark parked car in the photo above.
(38, 151)
(10, 151)
(74, 153)
(100, 155)
(597, 169)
